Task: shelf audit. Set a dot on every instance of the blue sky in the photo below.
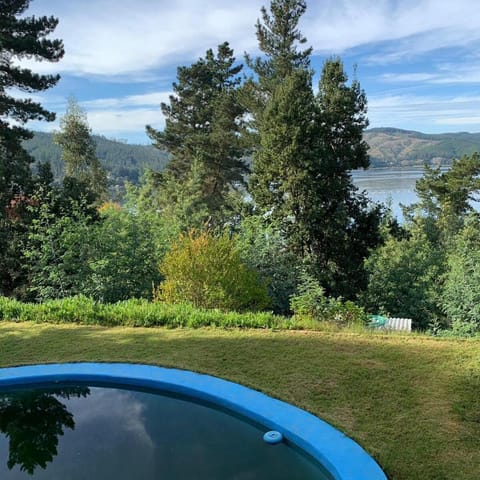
(418, 60)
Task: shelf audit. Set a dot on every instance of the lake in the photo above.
(395, 185)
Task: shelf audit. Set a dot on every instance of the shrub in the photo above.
(311, 303)
(207, 271)
(404, 279)
(460, 300)
(262, 248)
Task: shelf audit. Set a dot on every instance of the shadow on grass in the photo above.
(407, 401)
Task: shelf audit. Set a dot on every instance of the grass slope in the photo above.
(412, 402)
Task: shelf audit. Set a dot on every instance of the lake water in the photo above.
(389, 185)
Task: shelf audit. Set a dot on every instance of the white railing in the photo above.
(399, 324)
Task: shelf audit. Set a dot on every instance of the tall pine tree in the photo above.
(204, 126)
(20, 37)
(307, 147)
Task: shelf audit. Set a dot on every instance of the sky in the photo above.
(417, 60)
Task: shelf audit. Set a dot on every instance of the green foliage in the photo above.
(207, 271)
(263, 249)
(311, 302)
(405, 279)
(142, 313)
(58, 252)
(21, 37)
(279, 39)
(122, 161)
(78, 150)
(112, 255)
(124, 258)
(445, 197)
(461, 294)
(203, 130)
(182, 203)
(307, 147)
(134, 313)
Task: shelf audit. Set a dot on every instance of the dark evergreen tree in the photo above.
(344, 225)
(307, 147)
(204, 126)
(20, 37)
(445, 198)
(279, 38)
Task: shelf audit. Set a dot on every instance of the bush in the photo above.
(461, 294)
(311, 303)
(263, 249)
(207, 271)
(404, 279)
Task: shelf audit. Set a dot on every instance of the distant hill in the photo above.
(389, 147)
(395, 147)
(123, 161)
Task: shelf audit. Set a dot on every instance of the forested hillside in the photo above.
(394, 147)
(389, 147)
(122, 161)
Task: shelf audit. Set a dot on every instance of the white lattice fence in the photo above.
(399, 324)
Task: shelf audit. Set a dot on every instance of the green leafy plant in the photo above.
(311, 303)
(207, 271)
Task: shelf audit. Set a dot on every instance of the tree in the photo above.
(78, 151)
(59, 248)
(263, 249)
(445, 197)
(20, 37)
(307, 146)
(204, 125)
(460, 299)
(278, 37)
(404, 279)
(124, 261)
(284, 163)
(343, 224)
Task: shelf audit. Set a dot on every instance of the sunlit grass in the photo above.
(413, 402)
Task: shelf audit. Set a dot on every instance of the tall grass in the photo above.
(135, 313)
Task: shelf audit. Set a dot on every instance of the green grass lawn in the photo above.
(412, 402)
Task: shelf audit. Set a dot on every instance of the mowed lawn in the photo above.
(412, 402)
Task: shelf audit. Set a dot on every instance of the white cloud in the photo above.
(443, 74)
(423, 112)
(407, 77)
(473, 120)
(116, 116)
(155, 98)
(128, 114)
(119, 121)
(112, 37)
(124, 38)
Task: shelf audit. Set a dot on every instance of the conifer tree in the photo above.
(307, 147)
(20, 37)
(204, 126)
